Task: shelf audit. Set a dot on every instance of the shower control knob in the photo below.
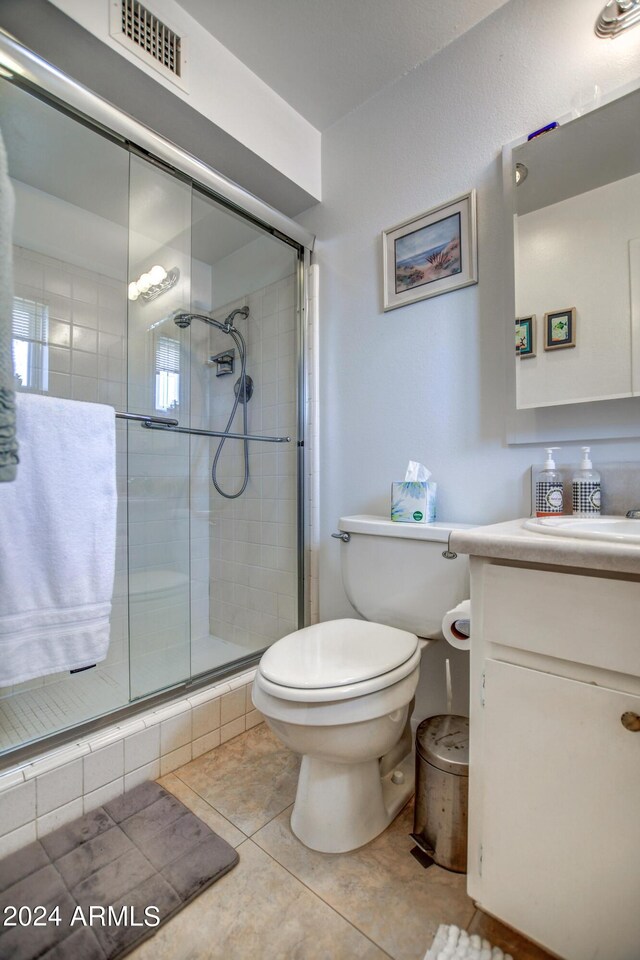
(630, 721)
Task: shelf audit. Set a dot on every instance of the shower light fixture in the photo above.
(618, 15)
(149, 286)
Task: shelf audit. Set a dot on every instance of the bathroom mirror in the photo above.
(576, 217)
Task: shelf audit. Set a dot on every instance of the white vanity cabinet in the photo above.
(554, 803)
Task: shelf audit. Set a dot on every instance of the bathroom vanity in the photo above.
(554, 824)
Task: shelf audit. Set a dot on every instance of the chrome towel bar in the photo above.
(144, 418)
(172, 426)
(152, 425)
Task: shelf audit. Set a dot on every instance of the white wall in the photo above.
(58, 229)
(223, 89)
(428, 381)
(248, 269)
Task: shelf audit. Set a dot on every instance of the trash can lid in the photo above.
(443, 741)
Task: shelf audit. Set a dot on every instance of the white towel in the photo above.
(57, 539)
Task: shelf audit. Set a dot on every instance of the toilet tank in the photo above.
(395, 573)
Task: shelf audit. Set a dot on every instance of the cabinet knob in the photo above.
(630, 721)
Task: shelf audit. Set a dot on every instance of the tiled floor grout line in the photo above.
(311, 890)
(250, 836)
(209, 804)
(314, 893)
(224, 817)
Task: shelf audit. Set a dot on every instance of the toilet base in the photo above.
(341, 806)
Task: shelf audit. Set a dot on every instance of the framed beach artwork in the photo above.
(431, 254)
(526, 336)
(560, 329)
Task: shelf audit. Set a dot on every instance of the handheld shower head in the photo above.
(183, 320)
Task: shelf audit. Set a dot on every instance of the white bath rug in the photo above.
(452, 943)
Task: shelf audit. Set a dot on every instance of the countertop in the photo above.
(511, 541)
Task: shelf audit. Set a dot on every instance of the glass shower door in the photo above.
(244, 558)
(158, 460)
(69, 341)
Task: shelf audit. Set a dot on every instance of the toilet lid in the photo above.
(336, 653)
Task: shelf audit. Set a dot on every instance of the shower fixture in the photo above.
(223, 362)
(149, 286)
(243, 388)
(618, 15)
(183, 320)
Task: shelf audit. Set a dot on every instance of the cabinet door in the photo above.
(560, 821)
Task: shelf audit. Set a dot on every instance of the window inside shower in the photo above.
(207, 574)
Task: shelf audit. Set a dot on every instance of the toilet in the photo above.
(340, 693)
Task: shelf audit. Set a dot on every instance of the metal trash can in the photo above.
(442, 789)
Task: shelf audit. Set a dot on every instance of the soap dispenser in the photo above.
(586, 488)
(549, 488)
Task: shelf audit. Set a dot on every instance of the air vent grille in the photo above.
(149, 33)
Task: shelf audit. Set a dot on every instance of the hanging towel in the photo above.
(57, 539)
(8, 444)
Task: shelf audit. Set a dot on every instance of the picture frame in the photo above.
(526, 336)
(433, 253)
(560, 329)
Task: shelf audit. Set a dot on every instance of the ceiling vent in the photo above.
(143, 33)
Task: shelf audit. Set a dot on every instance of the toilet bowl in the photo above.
(339, 693)
(342, 711)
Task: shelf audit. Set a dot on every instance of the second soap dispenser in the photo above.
(586, 488)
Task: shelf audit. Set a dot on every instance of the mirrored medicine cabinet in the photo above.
(573, 198)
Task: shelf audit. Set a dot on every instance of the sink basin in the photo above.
(617, 529)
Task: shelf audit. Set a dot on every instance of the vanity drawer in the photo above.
(585, 619)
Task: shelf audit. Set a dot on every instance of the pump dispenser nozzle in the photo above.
(550, 463)
(586, 463)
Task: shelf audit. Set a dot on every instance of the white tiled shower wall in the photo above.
(52, 790)
(253, 557)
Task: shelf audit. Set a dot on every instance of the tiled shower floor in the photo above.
(33, 712)
(285, 901)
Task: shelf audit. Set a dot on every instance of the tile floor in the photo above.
(285, 901)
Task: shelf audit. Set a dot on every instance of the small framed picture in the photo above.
(526, 336)
(560, 329)
(431, 254)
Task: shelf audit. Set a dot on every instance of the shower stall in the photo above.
(144, 280)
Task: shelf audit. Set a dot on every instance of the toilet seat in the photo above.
(337, 660)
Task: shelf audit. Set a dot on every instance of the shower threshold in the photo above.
(36, 712)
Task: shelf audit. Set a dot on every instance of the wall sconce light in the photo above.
(153, 284)
(618, 15)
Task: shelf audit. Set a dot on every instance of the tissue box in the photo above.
(413, 501)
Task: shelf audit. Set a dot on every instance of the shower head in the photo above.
(183, 320)
(242, 311)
